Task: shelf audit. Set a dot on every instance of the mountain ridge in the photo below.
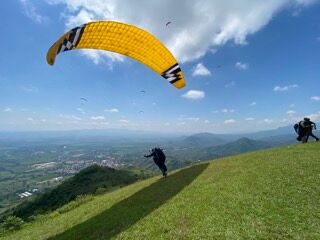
(87, 181)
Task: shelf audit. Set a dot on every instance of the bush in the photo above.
(12, 223)
(101, 190)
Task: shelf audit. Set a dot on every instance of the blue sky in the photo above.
(249, 66)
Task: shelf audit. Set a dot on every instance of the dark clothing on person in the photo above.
(300, 130)
(159, 159)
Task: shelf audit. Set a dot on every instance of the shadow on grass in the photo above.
(124, 214)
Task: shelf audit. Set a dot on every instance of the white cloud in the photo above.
(201, 70)
(194, 94)
(252, 104)
(98, 118)
(31, 12)
(7, 110)
(284, 88)
(231, 84)
(315, 98)
(266, 120)
(284, 120)
(102, 57)
(70, 117)
(250, 119)
(314, 116)
(305, 2)
(192, 119)
(125, 121)
(229, 121)
(204, 25)
(291, 113)
(112, 110)
(242, 66)
(30, 119)
(206, 121)
(225, 110)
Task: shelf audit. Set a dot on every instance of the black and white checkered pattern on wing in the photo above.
(72, 40)
(172, 74)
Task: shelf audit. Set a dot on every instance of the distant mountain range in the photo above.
(125, 135)
(206, 140)
(206, 147)
(212, 140)
(275, 137)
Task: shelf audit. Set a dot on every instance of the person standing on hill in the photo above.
(304, 130)
(309, 126)
(159, 159)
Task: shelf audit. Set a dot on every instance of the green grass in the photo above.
(269, 194)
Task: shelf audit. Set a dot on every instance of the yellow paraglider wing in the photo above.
(124, 39)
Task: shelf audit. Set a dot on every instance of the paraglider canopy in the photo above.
(123, 39)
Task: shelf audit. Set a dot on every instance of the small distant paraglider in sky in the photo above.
(167, 24)
(83, 100)
(124, 39)
(143, 91)
(141, 111)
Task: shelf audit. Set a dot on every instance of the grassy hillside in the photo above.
(269, 194)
